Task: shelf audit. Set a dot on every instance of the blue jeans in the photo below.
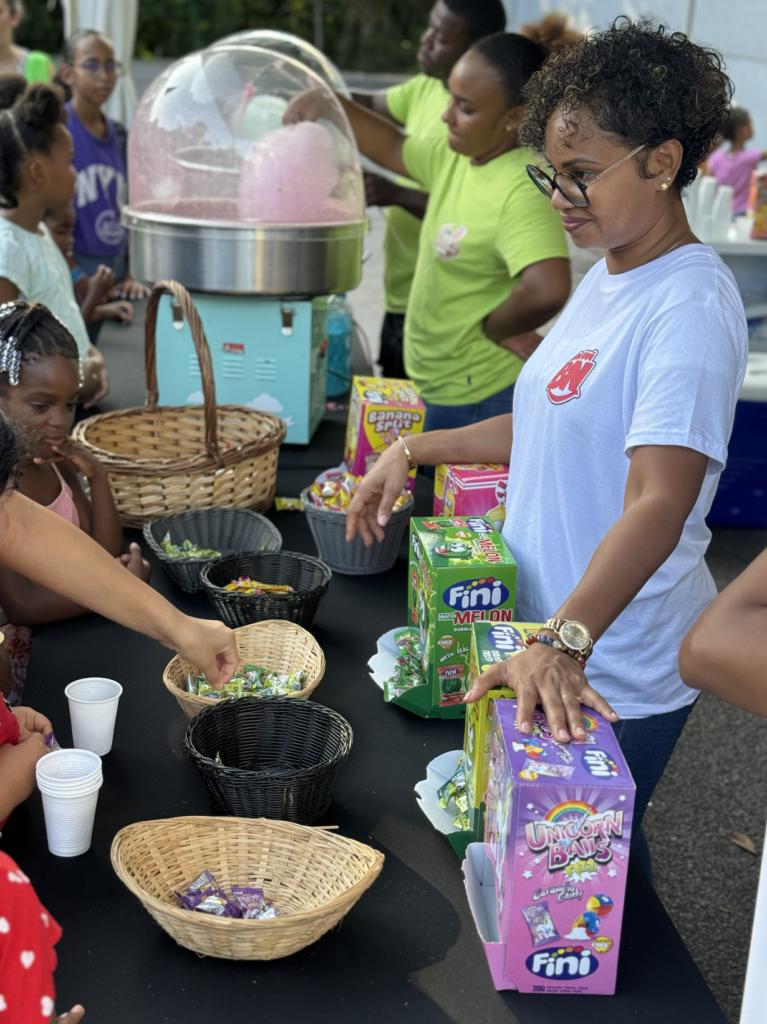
(447, 417)
(647, 745)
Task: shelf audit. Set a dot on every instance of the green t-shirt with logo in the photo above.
(418, 105)
(483, 226)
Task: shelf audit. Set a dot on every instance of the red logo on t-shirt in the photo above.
(566, 384)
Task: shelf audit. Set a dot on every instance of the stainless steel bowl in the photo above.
(228, 257)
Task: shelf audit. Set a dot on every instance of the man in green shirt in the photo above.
(418, 105)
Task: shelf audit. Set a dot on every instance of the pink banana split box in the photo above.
(471, 490)
(555, 857)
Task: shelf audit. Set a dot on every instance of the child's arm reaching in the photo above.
(97, 292)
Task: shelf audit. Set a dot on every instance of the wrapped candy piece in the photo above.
(288, 505)
(207, 896)
(253, 680)
(51, 742)
(336, 494)
(409, 669)
(186, 549)
(245, 585)
(248, 898)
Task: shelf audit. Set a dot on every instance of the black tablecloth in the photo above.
(407, 951)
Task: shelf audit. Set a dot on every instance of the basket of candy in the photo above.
(280, 650)
(269, 758)
(185, 542)
(310, 877)
(325, 505)
(250, 587)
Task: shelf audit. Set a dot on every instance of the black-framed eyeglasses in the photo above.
(93, 66)
(573, 190)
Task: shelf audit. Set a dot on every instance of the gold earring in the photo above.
(664, 186)
(508, 127)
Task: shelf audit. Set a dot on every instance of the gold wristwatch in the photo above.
(574, 637)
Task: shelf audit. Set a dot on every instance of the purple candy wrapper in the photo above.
(206, 895)
(51, 742)
(539, 922)
(248, 898)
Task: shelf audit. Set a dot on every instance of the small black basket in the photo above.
(280, 757)
(308, 576)
(223, 529)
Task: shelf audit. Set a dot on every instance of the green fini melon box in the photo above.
(461, 572)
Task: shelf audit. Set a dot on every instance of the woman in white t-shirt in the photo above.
(622, 416)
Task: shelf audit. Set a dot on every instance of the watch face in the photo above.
(575, 635)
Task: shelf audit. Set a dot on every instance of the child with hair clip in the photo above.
(89, 71)
(36, 173)
(40, 377)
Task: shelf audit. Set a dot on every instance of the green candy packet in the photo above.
(250, 681)
(186, 549)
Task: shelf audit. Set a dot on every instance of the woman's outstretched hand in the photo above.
(308, 106)
(552, 679)
(370, 508)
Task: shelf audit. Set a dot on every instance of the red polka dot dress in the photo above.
(28, 935)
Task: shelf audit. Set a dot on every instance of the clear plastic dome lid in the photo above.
(208, 143)
(295, 48)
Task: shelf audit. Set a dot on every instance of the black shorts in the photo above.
(391, 357)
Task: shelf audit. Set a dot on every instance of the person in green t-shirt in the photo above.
(492, 260)
(418, 105)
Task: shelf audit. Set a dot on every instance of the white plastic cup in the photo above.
(92, 711)
(69, 781)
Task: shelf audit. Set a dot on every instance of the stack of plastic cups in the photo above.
(93, 710)
(69, 781)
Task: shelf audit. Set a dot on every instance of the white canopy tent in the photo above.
(117, 19)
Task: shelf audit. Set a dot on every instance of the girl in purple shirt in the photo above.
(90, 72)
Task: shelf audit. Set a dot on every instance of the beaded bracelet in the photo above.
(538, 638)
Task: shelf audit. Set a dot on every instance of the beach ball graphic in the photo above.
(600, 904)
(589, 922)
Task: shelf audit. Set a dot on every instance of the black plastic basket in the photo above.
(308, 576)
(227, 530)
(280, 757)
(353, 558)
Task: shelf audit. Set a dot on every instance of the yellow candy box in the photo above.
(491, 643)
(381, 410)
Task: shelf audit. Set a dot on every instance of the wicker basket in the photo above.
(309, 577)
(354, 559)
(314, 874)
(280, 757)
(174, 458)
(223, 529)
(281, 646)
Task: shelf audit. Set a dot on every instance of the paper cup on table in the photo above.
(69, 781)
(93, 710)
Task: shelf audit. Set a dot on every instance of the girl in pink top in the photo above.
(40, 378)
(733, 166)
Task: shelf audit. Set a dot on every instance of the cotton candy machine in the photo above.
(295, 48)
(259, 219)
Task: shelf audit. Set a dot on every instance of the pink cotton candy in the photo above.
(288, 176)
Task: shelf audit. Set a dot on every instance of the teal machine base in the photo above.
(268, 354)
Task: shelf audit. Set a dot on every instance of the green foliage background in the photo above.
(362, 35)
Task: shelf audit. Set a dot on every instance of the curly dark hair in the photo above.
(639, 83)
(29, 123)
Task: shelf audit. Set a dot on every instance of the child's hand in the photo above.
(131, 289)
(136, 564)
(74, 1015)
(120, 310)
(77, 456)
(101, 284)
(31, 722)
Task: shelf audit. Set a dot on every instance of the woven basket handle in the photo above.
(184, 299)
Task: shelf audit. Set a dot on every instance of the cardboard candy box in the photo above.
(555, 857)
(471, 490)
(381, 410)
(461, 572)
(491, 643)
(757, 203)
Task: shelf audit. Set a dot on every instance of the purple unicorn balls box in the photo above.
(547, 886)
